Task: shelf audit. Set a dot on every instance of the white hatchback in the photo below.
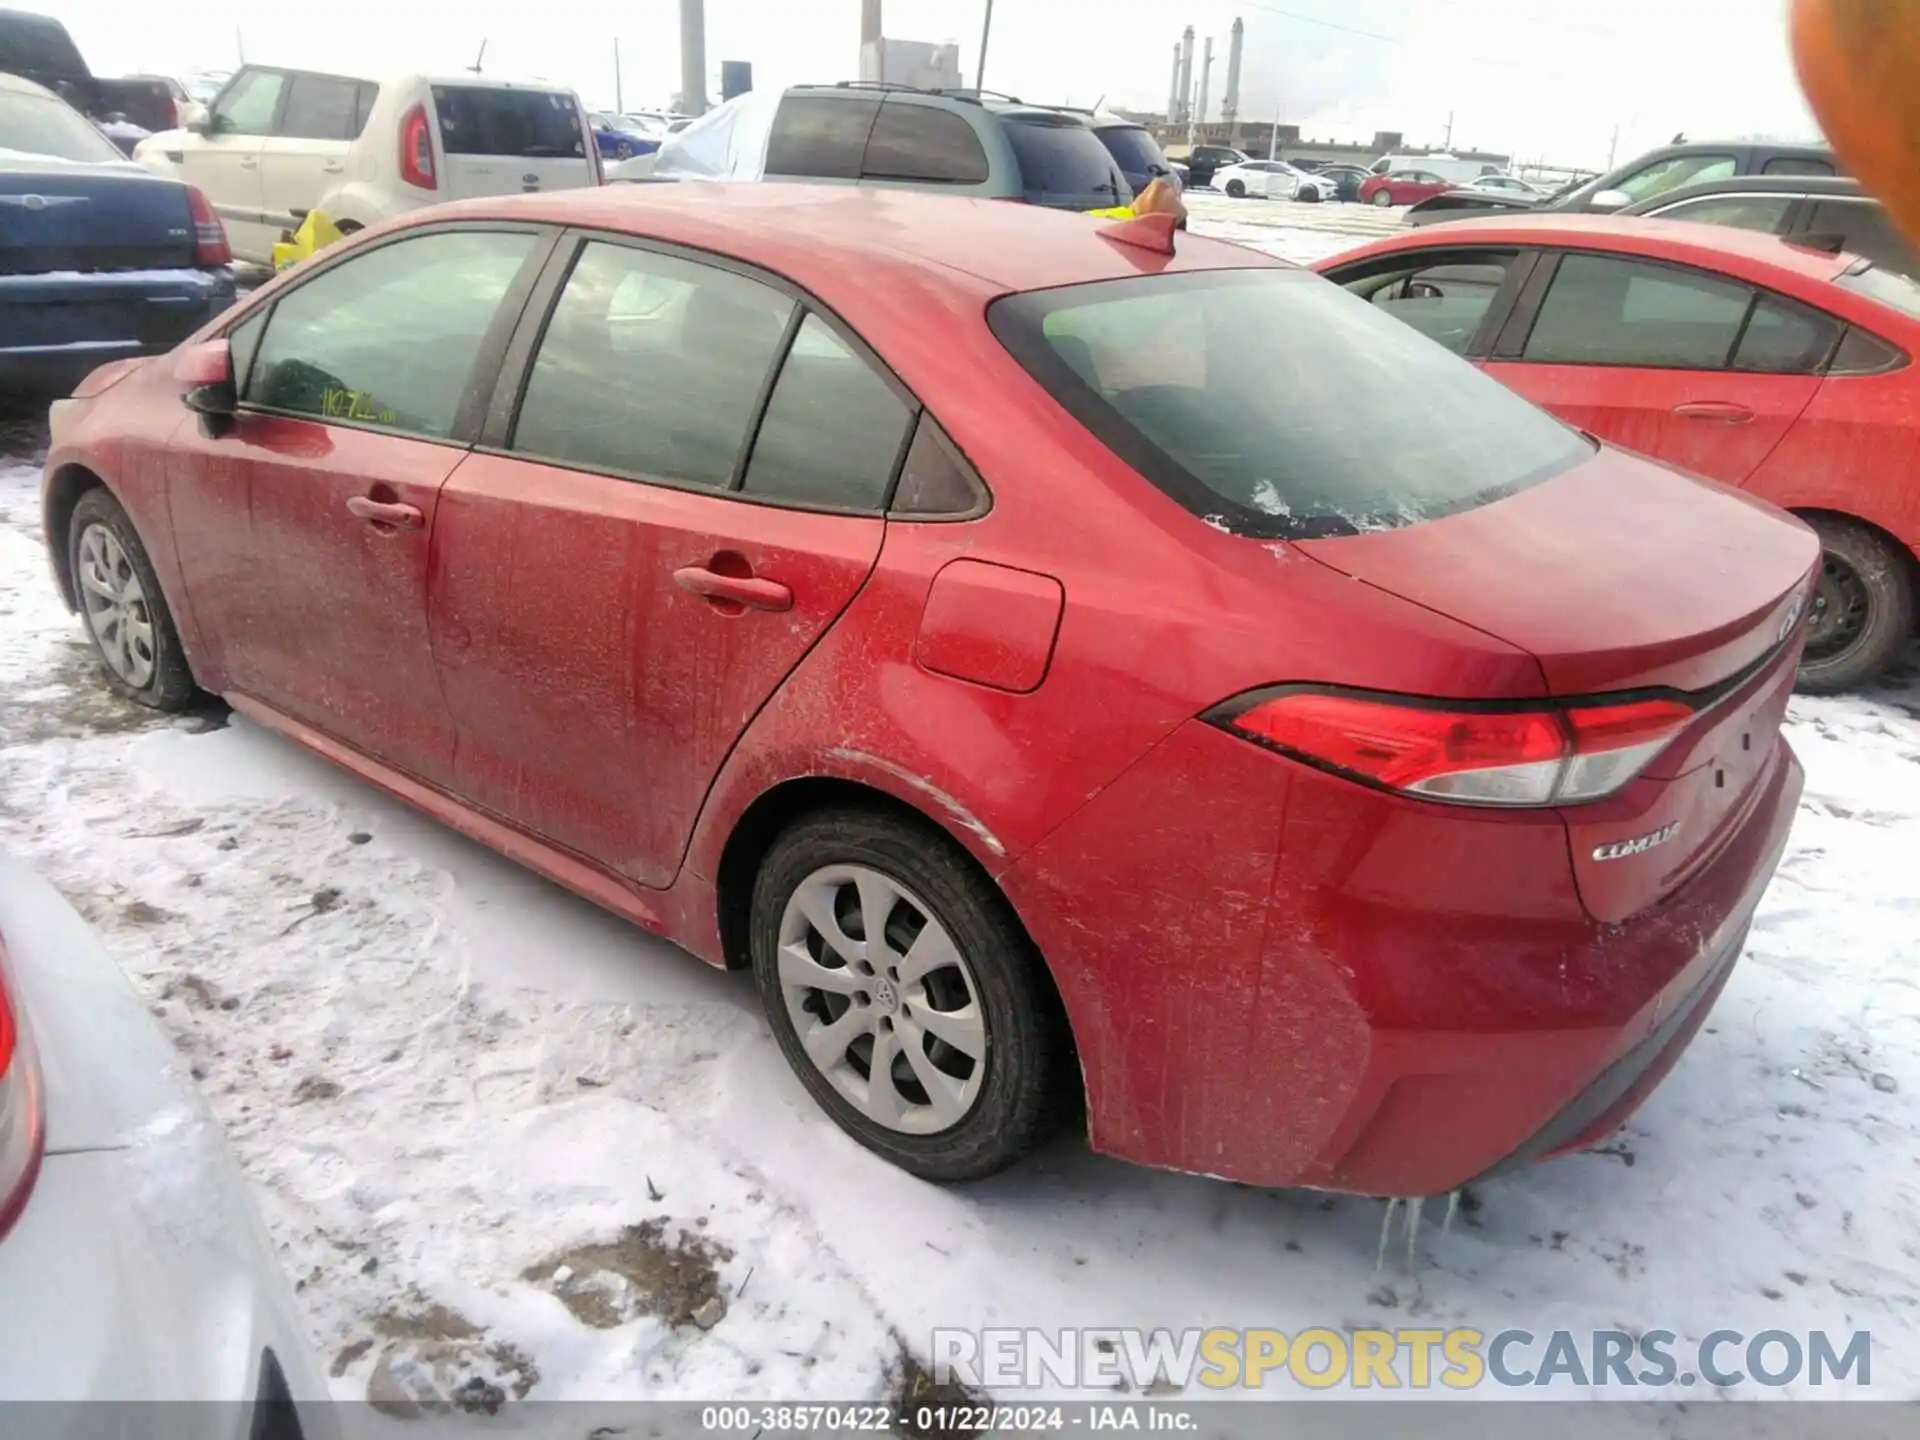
(1270, 179)
(277, 143)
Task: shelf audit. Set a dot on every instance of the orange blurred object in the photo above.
(1859, 62)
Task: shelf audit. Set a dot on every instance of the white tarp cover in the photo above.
(729, 142)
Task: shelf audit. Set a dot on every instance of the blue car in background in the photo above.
(99, 260)
(621, 137)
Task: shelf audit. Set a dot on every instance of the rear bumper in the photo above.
(55, 329)
(1293, 981)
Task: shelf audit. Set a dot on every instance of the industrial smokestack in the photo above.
(1173, 94)
(1206, 73)
(869, 23)
(1186, 76)
(1230, 106)
(693, 57)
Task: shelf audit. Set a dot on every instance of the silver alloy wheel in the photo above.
(882, 999)
(115, 606)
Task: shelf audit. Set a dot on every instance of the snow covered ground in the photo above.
(497, 1133)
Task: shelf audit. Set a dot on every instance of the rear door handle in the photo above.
(333, 167)
(1725, 411)
(382, 512)
(247, 162)
(754, 593)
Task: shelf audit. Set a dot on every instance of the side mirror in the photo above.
(1609, 200)
(206, 370)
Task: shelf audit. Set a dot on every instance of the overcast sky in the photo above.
(1538, 78)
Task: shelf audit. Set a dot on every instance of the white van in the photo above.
(1447, 167)
(277, 143)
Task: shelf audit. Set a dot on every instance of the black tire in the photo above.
(1383, 199)
(1022, 1092)
(170, 686)
(1236, 190)
(623, 150)
(1863, 607)
(1308, 197)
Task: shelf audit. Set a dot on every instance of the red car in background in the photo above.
(1783, 370)
(990, 630)
(1403, 187)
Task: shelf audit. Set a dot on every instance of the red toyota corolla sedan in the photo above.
(1783, 370)
(993, 633)
(1403, 187)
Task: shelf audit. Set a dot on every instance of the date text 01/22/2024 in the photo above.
(768, 1421)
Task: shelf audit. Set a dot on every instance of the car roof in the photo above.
(834, 239)
(1709, 246)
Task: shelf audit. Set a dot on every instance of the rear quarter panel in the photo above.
(1855, 450)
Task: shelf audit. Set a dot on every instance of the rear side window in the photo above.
(1062, 163)
(935, 481)
(1237, 392)
(525, 124)
(377, 338)
(1763, 213)
(1862, 227)
(1786, 339)
(651, 366)
(1133, 148)
(320, 107)
(1604, 311)
(833, 429)
(918, 142)
(819, 136)
(1796, 165)
(363, 107)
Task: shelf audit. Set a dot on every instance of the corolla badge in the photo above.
(1620, 849)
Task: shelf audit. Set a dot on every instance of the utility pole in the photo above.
(986, 28)
(1448, 143)
(619, 100)
(1612, 146)
(693, 56)
(240, 44)
(1273, 135)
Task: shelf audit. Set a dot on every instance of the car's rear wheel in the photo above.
(904, 993)
(1383, 198)
(1236, 189)
(1862, 615)
(1307, 195)
(120, 601)
(623, 150)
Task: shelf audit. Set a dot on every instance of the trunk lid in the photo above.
(503, 140)
(56, 217)
(1623, 576)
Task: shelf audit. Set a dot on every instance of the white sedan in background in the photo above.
(1506, 185)
(1271, 180)
(133, 1266)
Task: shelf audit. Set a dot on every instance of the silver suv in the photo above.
(965, 142)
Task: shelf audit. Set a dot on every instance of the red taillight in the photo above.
(416, 150)
(22, 1119)
(1441, 750)
(210, 246)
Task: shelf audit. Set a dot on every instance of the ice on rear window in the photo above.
(1279, 403)
(525, 124)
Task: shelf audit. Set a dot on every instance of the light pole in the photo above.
(986, 28)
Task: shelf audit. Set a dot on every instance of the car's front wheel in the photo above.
(623, 150)
(1862, 615)
(1236, 190)
(1383, 198)
(120, 601)
(904, 994)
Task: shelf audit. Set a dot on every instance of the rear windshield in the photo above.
(39, 126)
(1063, 162)
(1273, 403)
(1133, 147)
(529, 124)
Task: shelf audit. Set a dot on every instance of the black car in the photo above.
(1829, 213)
(1651, 175)
(1133, 148)
(1203, 160)
(1346, 180)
